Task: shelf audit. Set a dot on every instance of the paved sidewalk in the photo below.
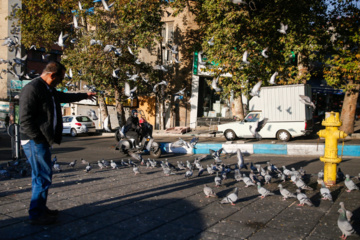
(116, 204)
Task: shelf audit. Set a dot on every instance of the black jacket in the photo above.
(36, 112)
(132, 124)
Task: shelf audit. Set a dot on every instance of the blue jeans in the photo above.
(39, 156)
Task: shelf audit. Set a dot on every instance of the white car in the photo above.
(76, 124)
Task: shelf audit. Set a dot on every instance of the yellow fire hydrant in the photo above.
(331, 135)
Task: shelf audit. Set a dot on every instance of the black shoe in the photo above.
(52, 212)
(44, 219)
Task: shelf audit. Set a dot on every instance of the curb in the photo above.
(271, 149)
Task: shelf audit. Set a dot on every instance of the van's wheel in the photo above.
(73, 132)
(283, 135)
(230, 135)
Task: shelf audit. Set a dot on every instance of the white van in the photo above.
(276, 113)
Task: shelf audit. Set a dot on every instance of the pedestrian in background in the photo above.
(7, 121)
(40, 127)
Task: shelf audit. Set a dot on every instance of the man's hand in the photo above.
(91, 96)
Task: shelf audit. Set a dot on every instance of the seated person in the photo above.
(146, 128)
(132, 128)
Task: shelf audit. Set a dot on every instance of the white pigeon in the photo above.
(113, 164)
(247, 181)
(238, 2)
(177, 60)
(109, 48)
(350, 184)
(133, 77)
(214, 84)
(307, 101)
(130, 93)
(80, 6)
(163, 82)
(75, 22)
(209, 192)
(244, 58)
(137, 61)
(303, 199)
(106, 6)
(144, 79)
(136, 169)
(129, 49)
(241, 161)
(100, 164)
(115, 73)
(255, 91)
(87, 168)
(263, 52)
(181, 92)
(231, 198)
(283, 28)
(273, 78)
(211, 41)
(61, 39)
(286, 193)
(57, 167)
(325, 193)
(263, 191)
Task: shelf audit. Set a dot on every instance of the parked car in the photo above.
(77, 124)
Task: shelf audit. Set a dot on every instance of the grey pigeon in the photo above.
(237, 174)
(231, 198)
(57, 167)
(348, 213)
(217, 180)
(321, 174)
(100, 164)
(350, 184)
(303, 199)
(263, 191)
(216, 155)
(209, 192)
(325, 192)
(188, 173)
(267, 177)
(286, 193)
(344, 224)
(248, 181)
(300, 184)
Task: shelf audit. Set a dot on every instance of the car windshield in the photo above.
(83, 119)
(253, 117)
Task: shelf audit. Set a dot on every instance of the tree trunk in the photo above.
(349, 109)
(103, 110)
(119, 108)
(237, 108)
(302, 68)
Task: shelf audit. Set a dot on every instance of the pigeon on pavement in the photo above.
(209, 192)
(231, 198)
(344, 224)
(350, 184)
(286, 193)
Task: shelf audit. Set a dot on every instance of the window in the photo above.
(167, 34)
(83, 119)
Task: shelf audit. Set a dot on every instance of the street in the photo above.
(117, 204)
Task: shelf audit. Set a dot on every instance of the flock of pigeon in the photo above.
(258, 176)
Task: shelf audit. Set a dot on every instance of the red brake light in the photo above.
(305, 125)
(78, 124)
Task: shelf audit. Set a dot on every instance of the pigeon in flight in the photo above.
(245, 56)
(106, 6)
(61, 39)
(255, 91)
(273, 78)
(163, 82)
(241, 162)
(307, 101)
(211, 41)
(283, 28)
(263, 53)
(214, 84)
(130, 93)
(173, 48)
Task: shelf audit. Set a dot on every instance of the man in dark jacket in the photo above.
(41, 126)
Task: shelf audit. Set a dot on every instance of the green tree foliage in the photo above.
(133, 24)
